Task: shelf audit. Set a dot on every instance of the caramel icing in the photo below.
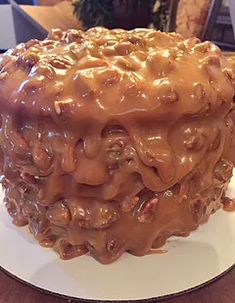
(228, 204)
(114, 140)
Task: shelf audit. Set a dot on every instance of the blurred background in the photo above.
(207, 19)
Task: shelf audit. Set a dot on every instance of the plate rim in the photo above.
(146, 300)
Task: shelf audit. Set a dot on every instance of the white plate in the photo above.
(189, 262)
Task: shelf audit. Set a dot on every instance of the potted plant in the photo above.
(126, 14)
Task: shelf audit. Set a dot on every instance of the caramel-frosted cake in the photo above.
(113, 140)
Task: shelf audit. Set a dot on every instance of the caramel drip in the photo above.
(157, 252)
(228, 204)
(113, 141)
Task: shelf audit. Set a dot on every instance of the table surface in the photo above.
(219, 291)
(58, 16)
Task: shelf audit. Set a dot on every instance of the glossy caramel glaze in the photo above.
(113, 141)
(228, 204)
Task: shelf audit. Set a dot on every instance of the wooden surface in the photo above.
(58, 16)
(220, 291)
(49, 2)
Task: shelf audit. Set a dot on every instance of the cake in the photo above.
(112, 141)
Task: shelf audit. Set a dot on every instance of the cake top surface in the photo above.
(108, 74)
